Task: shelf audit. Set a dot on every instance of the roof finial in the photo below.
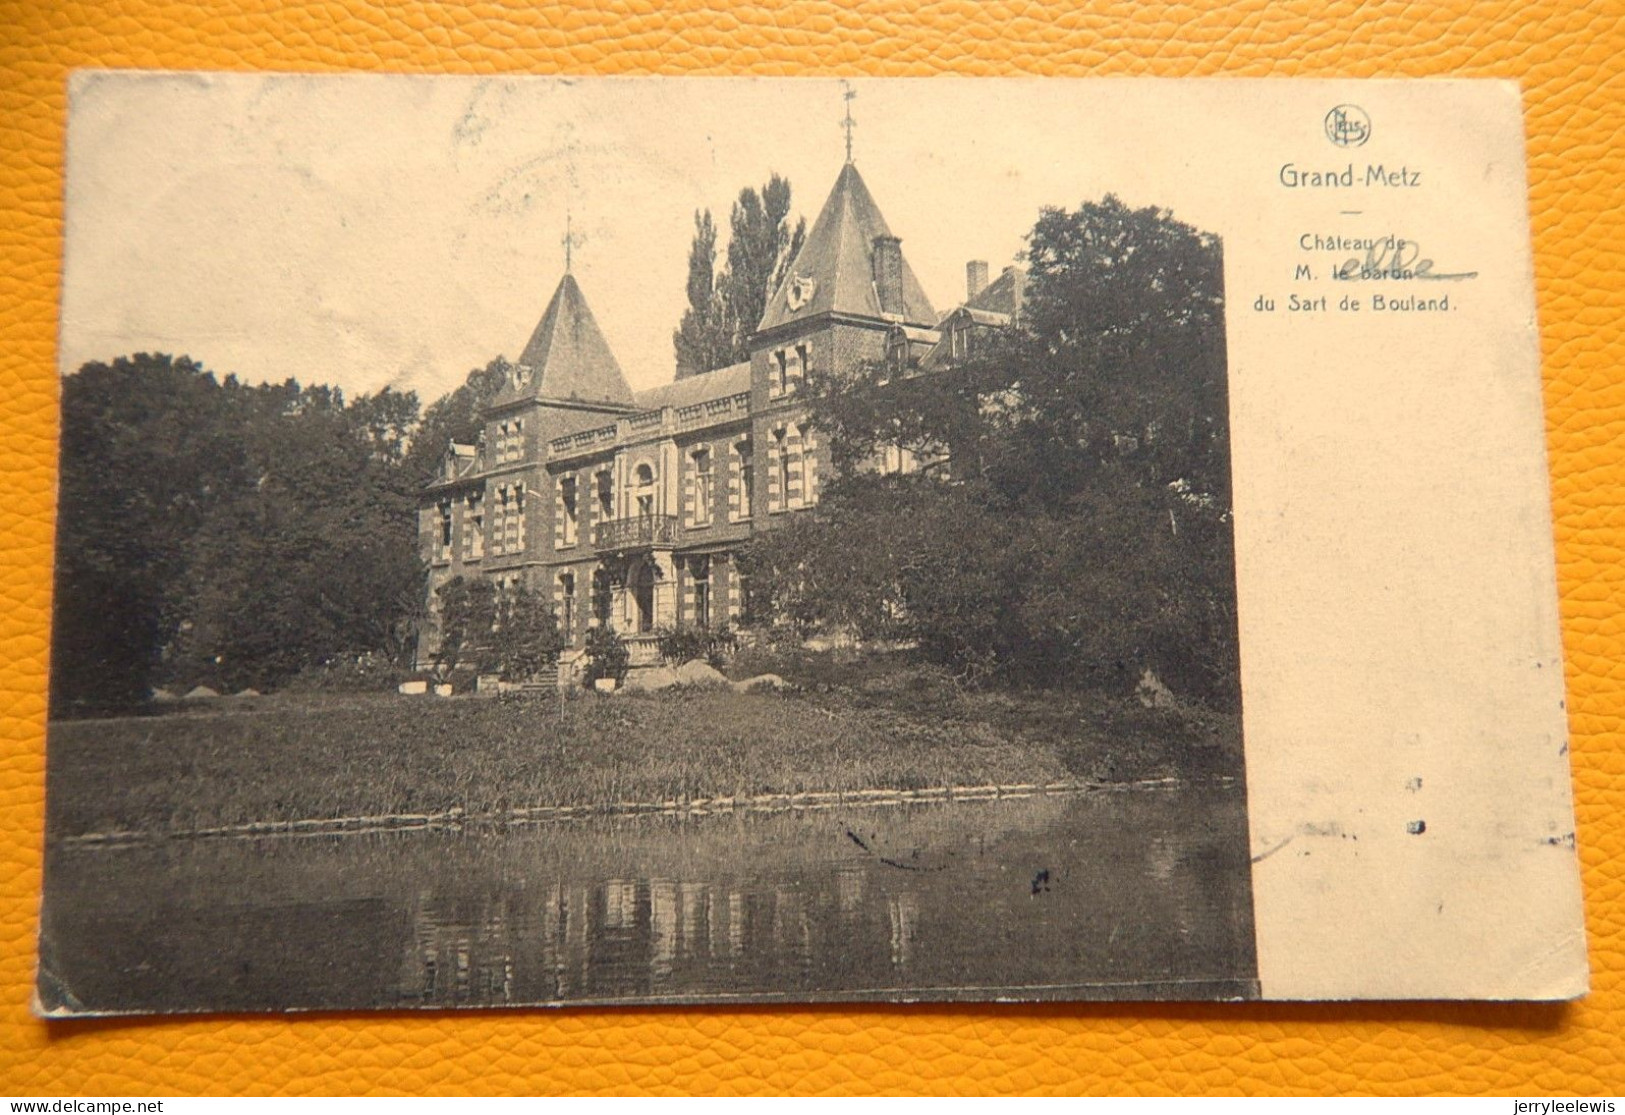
(570, 241)
(848, 95)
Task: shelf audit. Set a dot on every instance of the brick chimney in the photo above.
(975, 278)
(888, 266)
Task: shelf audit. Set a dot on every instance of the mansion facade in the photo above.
(627, 509)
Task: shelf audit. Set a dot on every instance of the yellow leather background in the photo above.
(1569, 59)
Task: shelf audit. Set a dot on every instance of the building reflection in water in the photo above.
(628, 937)
(1132, 906)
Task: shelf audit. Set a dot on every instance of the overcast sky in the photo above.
(368, 230)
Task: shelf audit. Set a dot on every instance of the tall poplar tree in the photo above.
(725, 307)
(703, 340)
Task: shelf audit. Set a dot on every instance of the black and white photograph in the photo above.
(543, 542)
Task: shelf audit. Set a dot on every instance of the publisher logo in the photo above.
(1348, 126)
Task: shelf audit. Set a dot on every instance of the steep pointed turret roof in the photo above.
(567, 356)
(835, 270)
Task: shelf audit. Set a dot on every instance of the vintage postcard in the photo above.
(542, 542)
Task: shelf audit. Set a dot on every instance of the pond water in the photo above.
(1129, 894)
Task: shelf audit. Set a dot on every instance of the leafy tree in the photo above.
(1120, 362)
(725, 308)
(212, 531)
(526, 640)
(761, 247)
(704, 339)
(468, 611)
(315, 559)
(148, 456)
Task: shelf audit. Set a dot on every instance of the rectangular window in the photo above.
(602, 597)
(803, 359)
(499, 520)
(510, 441)
(508, 531)
(703, 492)
(442, 549)
(516, 520)
(568, 517)
(700, 569)
(781, 380)
(473, 526)
(604, 482)
(779, 499)
(745, 479)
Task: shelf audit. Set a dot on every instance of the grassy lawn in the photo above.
(850, 724)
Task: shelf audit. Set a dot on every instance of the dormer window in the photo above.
(897, 354)
(959, 338)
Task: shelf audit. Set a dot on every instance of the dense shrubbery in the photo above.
(713, 645)
(607, 656)
(513, 634)
(995, 595)
(1084, 535)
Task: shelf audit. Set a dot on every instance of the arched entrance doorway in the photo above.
(643, 596)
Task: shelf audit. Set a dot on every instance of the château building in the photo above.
(627, 508)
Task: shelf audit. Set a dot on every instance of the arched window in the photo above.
(646, 493)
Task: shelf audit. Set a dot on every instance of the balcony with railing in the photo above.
(640, 532)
